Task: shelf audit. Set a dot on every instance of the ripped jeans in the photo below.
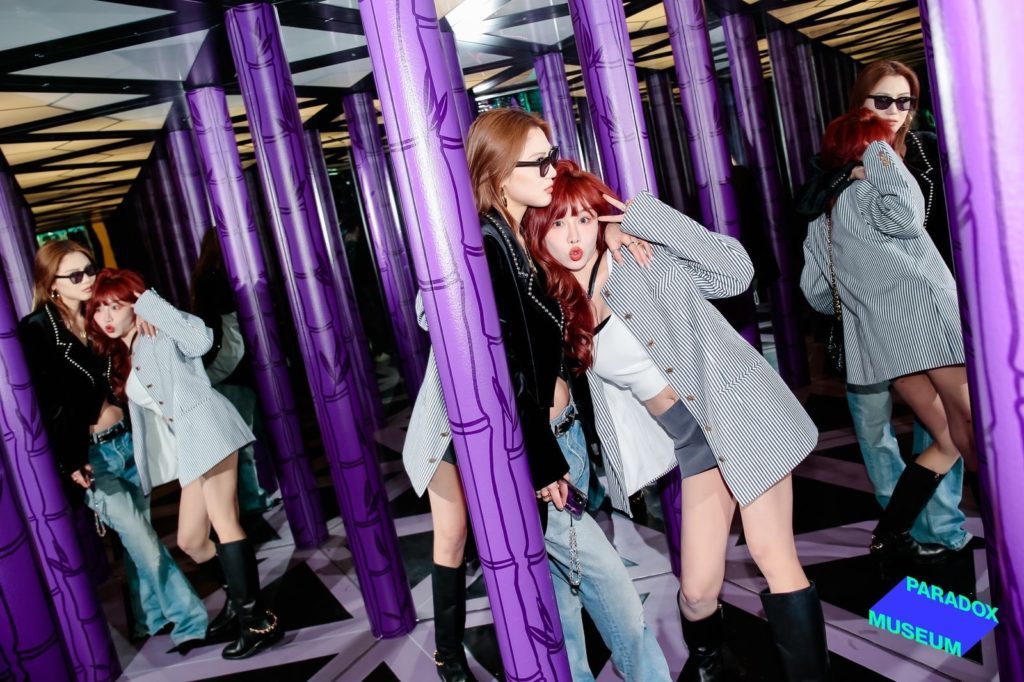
(606, 590)
(159, 592)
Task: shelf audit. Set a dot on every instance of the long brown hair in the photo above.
(113, 285)
(573, 189)
(495, 141)
(866, 81)
(44, 274)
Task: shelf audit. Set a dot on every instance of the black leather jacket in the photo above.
(70, 383)
(533, 343)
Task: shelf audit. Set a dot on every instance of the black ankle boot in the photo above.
(798, 631)
(258, 626)
(704, 642)
(223, 626)
(891, 538)
(449, 588)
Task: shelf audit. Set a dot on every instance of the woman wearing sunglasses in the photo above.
(185, 432)
(92, 443)
(511, 165)
(890, 89)
(870, 255)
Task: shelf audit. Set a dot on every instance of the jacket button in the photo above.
(668, 370)
(650, 343)
(444, 434)
(433, 460)
(161, 402)
(138, 369)
(607, 293)
(628, 316)
(170, 419)
(722, 460)
(149, 385)
(690, 398)
(707, 427)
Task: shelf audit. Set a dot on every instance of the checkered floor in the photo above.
(316, 595)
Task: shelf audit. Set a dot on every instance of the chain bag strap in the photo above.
(835, 348)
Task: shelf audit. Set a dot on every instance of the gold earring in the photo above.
(54, 294)
(504, 197)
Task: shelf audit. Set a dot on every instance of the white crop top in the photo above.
(620, 359)
(160, 448)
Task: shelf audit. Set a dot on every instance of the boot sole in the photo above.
(256, 648)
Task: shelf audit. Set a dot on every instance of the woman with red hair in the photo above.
(656, 352)
(184, 431)
(870, 262)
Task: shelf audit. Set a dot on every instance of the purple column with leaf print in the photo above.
(165, 251)
(39, 495)
(371, 171)
(659, 94)
(588, 138)
(809, 91)
(558, 111)
(795, 126)
(970, 48)
(752, 107)
(188, 176)
(351, 327)
(246, 267)
(17, 268)
(432, 177)
(177, 232)
(460, 98)
(602, 42)
(286, 177)
(709, 153)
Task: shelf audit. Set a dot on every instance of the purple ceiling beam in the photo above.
(602, 41)
(673, 165)
(755, 122)
(709, 153)
(51, 525)
(370, 165)
(796, 129)
(16, 264)
(188, 176)
(247, 269)
(353, 334)
(970, 47)
(557, 103)
(460, 96)
(432, 177)
(286, 177)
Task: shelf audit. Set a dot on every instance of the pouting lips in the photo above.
(576, 253)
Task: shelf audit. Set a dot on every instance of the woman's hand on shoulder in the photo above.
(615, 238)
(141, 326)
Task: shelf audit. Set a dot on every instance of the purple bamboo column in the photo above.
(29, 644)
(969, 46)
(371, 171)
(165, 252)
(177, 233)
(709, 154)
(188, 176)
(17, 270)
(460, 98)
(752, 107)
(51, 525)
(150, 240)
(351, 328)
(269, 96)
(659, 94)
(588, 138)
(602, 41)
(809, 89)
(246, 266)
(795, 128)
(558, 111)
(432, 177)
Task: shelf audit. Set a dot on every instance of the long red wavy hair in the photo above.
(574, 190)
(849, 135)
(113, 285)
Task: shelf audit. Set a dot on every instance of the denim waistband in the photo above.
(564, 421)
(109, 433)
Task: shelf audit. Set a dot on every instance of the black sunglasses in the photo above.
(883, 102)
(543, 164)
(77, 276)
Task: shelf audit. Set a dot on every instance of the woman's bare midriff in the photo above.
(561, 398)
(109, 415)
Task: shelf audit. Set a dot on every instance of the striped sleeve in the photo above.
(718, 265)
(891, 210)
(813, 280)
(189, 333)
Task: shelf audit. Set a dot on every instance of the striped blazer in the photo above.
(900, 311)
(755, 426)
(206, 426)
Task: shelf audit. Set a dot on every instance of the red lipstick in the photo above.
(576, 253)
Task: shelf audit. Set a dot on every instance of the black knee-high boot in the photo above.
(258, 626)
(704, 640)
(798, 631)
(891, 537)
(224, 624)
(449, 588)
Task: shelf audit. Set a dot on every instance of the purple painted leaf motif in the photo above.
(382, 548)
(322, 271)
(508, 409)
(370, 496)
(544, 637)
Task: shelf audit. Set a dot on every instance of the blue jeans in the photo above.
(159, 592)
(941, 522)
(606, 590)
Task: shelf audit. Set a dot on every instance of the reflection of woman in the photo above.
(185, 431)
(511, 161)
(649, 335)
(92, 442)
(891, 89)
(901, 321)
